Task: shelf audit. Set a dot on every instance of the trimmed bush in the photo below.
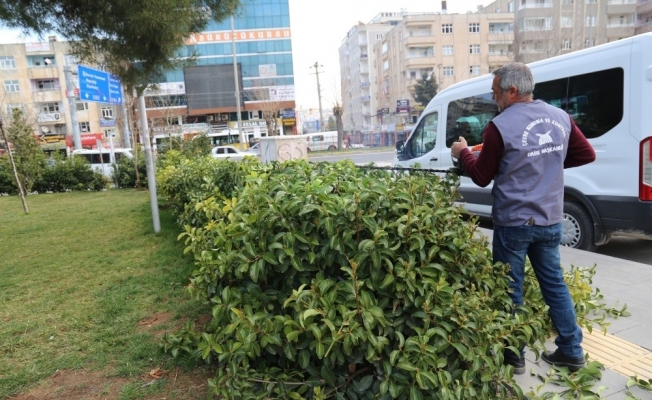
(70, 174)
(329, 281)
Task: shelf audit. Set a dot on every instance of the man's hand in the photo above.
(457, 147)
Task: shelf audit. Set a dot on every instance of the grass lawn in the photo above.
(87, 289)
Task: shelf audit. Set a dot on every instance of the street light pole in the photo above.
(321, 116)
(237, 86)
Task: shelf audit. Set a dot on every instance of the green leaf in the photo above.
(364, 384)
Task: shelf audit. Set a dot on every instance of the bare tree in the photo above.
(269, 99)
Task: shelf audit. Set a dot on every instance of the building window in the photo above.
(413, 74)
(49, 107)
(81, 106)
(385, 65)
(11, 107)
(588, 43)
(474, 49)
(474, 70)
(449, 71)
(7, 62)
(566, 45)
(447, 28)
(107, 112)
(567, 21)
(384, 48)
(510, 7)
(380, 36)
(536, 24)
(12, 86)
(590, 20)
(447, 50)
(474, 27)
(567, 1)
(46, 84)
(84, 127)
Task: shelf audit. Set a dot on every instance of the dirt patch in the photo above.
(93, 385)
(177, 384)
(154, 324)
(75, 385)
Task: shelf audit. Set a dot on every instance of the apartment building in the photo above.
(357, 72)
(33, 81)
(203, 95)
(643, 16)
(547, 28)
(447, 47)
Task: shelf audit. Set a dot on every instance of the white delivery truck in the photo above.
(607, 90)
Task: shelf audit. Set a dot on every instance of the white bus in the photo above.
(607, 90)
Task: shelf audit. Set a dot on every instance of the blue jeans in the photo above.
(541, 244)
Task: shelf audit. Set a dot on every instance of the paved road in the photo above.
(638, 250)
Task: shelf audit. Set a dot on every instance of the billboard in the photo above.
(211, 86)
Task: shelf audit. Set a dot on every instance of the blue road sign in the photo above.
(99, 86)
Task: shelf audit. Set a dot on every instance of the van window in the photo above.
(467, 117)
(424, 137)
(594, 100)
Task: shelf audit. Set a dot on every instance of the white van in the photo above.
(322, 141)
(101, 160)
(607, 90)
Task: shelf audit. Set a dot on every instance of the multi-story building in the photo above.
(33, 80)
(547, 28)
(643, 16)
(203, 94)
(357, 72)
(448, 48)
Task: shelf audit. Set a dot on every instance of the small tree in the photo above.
(338, 111)
(424, 90)
(28, 157)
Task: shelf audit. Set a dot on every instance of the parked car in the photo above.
(254, 150)
(229, 152)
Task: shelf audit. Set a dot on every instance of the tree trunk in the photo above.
(13, 166)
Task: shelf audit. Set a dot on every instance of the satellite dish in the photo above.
(45, 129)
(47, 61)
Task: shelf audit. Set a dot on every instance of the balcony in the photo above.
(419, 40)
(643, 28)
(644, 7)
(365, 84)
(419, 62)
(51, 118)
(535, 5)
(365, 99)
(621, 7)
(43, 72)
(47, 95)
(501, 37)
(497, 57)
(620, 31)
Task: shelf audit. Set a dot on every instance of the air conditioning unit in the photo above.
(225, 117)
(209, 118)
(57, 116)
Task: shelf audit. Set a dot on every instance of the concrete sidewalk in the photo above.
(626, 350)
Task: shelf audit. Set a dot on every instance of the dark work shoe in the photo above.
(557, 359)
(517, 362)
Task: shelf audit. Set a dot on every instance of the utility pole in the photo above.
(149, 161)
(321, 116)
(237, 86)
(72, 106)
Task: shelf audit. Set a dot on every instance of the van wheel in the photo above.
(331, 147)
(577, 228)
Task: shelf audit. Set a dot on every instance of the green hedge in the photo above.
(329, 281)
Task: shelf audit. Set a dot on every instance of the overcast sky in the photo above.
(318, 28)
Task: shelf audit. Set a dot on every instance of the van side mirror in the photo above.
(399, 146)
